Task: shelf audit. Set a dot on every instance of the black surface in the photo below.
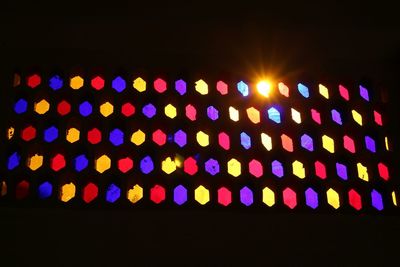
(328, 41)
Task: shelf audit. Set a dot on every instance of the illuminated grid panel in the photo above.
(152, 141)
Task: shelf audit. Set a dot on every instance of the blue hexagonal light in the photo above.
(180, 138)
(118, 84)
(20, 106)
(116, 137)
(55, 82)
(50, 134)
(274, 115)
(149, 110)
(81, 162)
(85, 109)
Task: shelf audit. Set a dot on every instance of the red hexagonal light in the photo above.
(94, 136)
(256, 168)
(125, 164)
(190, 166)
(90, 192)
(63, 108)
(97, 83)
(57, 162)
(160, 85)
(224, 196)
(28, 133)
(34, 80)
(127, 109)
(159, 137)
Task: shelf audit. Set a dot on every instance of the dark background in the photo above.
(323, 40)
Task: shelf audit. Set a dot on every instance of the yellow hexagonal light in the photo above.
(135, 194)
(138, 137)
(357, 117)
(106, 109)
(76, 82)
(201, 87)
(362, 172)
(170, 111)
(41, 107)
(268, 197)
(202, 138)
(102, 164)
(298, 169)
(253, 114)
(168, 165)
(333, 198)
(328, 143)
(234, 167)
(323, 90)
(10, 133)
(202, 195)
(67, 192)
(35, 162)
(139, 84)
(73, 135)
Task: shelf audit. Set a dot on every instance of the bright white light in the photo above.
(264, 88)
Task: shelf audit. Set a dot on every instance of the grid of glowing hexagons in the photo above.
(270, 113)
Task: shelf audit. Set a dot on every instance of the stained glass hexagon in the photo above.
(149, 110)
(180, 138)
(125, 164)
(97, 83)
(170, 111)
(159, 137)
(157, 194)
(146, 165)
(56, 82)
(234, 167)
(73, 135)
(202, 195)
(224, 196)
(160, 85)
(118, 84)
(90, 192)
(246, 196)
(138, 137)
(190, 166)
(50, 134)
(28, 133)
(127, 109)
(256, 168)
(76, 82)
(81, 162)
(274, 115)
(135, 194)
(94, 136)
(180, 194)
(85, 108)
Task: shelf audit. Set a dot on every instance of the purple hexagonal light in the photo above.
(116, 137)
(341, 170)
(245, 140)
(180, 194)
(307, 142)
(336, 116)
(180, 138)
(376, 199)
(364, 93)
(311, 198)
(212, 113)
(50, 134)
(146, 165)
(180, 86)
(212, 166)
(246, 196)
(149, 110)
(118, 84)
(370, 144)
(277, 168)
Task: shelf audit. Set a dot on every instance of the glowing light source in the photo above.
(224, 196)
(298, 169)
(102, 163)
(362, 172)
(106, 109)
(323, 91)
(255, 168)
(90, 192)
(355, 199)
(157, 194)
(116, 137)
(311, 198)
(289, 198)
(277, 168)
(113, 193)
(76, 82)
(180, 87)
(212, 166)
(296, 116)
(376, 199)
(168, 165)
(202, 195)
(138, 137)
(191, 112)
(234, 167)
(180, 195)
(35, 162)
(303, 90)
(246, 196)
(245, 140)
(118, 84)
(139, 84)
(160, 85)
(328, 143)
(283, 89)
(34, 80)
(364, 93)
(274, 115)
(146, 165)
(45, 190)
(135, 193)
(243, 88)
(344, 92)
(67, 192)
(201, 87)
(224, 141)
(333, 198)
(190, 166)
(233, 114)
(202, 138)
(94, 136)
(253, 115)
(357, 117)
(222, 88)
(268, 197)
(41, 107)
(266, 141)
(264, 88)
(170, 111)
